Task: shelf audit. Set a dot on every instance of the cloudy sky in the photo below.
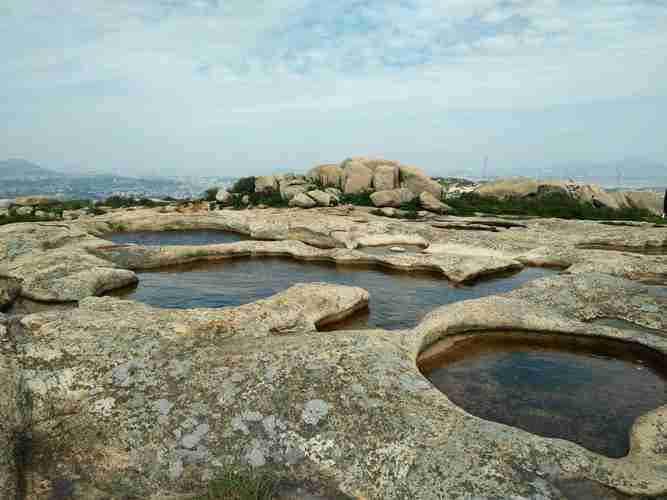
(238, 87)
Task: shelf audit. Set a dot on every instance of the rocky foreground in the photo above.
(107, 398)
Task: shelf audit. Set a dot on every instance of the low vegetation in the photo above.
(240, 486)
(359, 199)
(556, 205)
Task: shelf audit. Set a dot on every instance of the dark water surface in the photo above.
(398, 299)
(194, 237)
(589, 391)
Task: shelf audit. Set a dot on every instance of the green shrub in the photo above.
(129, 201)
(210, 194)
(245, 185)
(557, 205)
(360, 199)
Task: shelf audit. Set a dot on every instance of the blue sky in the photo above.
(234, 87)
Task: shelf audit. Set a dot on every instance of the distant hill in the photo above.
(16, 168)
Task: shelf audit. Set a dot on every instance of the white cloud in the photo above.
(182, 70)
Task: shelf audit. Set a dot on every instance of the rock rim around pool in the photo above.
(161, 401)
(158, 402)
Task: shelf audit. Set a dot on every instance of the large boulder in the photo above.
(302, 200)
(370, 163)
(515, 187)
(266, 184)
(646, 200)
(335, 193)
(24, 210)
(385, 177)
(223, 196)
(289, 192)
(321, 198)
(432, 204)
(417, 181)
(326, 175)
(6, 203)
(357, 179)
(392, 197)
(25, 201)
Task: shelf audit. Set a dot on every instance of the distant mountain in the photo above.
(16, 168)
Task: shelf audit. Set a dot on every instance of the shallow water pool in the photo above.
(397, 299)
(589, 391)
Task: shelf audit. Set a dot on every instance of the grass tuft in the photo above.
(240, 486)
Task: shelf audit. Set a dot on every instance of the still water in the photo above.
(397, 299)
(589, 391)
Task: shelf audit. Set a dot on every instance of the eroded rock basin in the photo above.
(585, 390)
(398, 299)
(196, 237)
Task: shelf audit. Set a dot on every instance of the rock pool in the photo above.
(398, 299)
(195, 237)
(586, 390)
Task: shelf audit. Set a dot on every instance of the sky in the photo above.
(238, 87)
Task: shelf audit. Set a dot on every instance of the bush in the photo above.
(557, 205)
(245, 185)
(210, 194)
(125, 202)
(240, 486)
(360, 199)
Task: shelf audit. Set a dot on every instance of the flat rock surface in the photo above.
(137, 402)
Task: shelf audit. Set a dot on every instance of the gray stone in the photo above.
(432, 204)
(385, 178)
(223, 196)
(266, 184)
(393, 198)
(326, 175)
(321, 198)
(24, 210)
(417, 181)
(357, 178)
(302, 200)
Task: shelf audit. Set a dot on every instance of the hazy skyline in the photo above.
(146, 87)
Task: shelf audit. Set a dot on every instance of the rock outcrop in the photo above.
(386, 177)
(163, 401)
(417, 181)
(358, 178)
(392, 198)
(433, 204)
(302, 200)
(326, 175)
(266, 184)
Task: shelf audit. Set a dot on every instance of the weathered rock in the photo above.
(393, 198)
(24, 211)
(266, 184)
(302, 200)
(245, 199)
(388, 211)
(4, 212)
(321, 198)
(326, 175)
(290, 191)
(25, 201)
(385, 177)
(417, 181)
(433, 204)
(335, 193)
(10, 289)
(653, 202)
(161, 400)
(370, 163)
(10, 427)
(357, 178)
(223, 196)
(4, 204)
